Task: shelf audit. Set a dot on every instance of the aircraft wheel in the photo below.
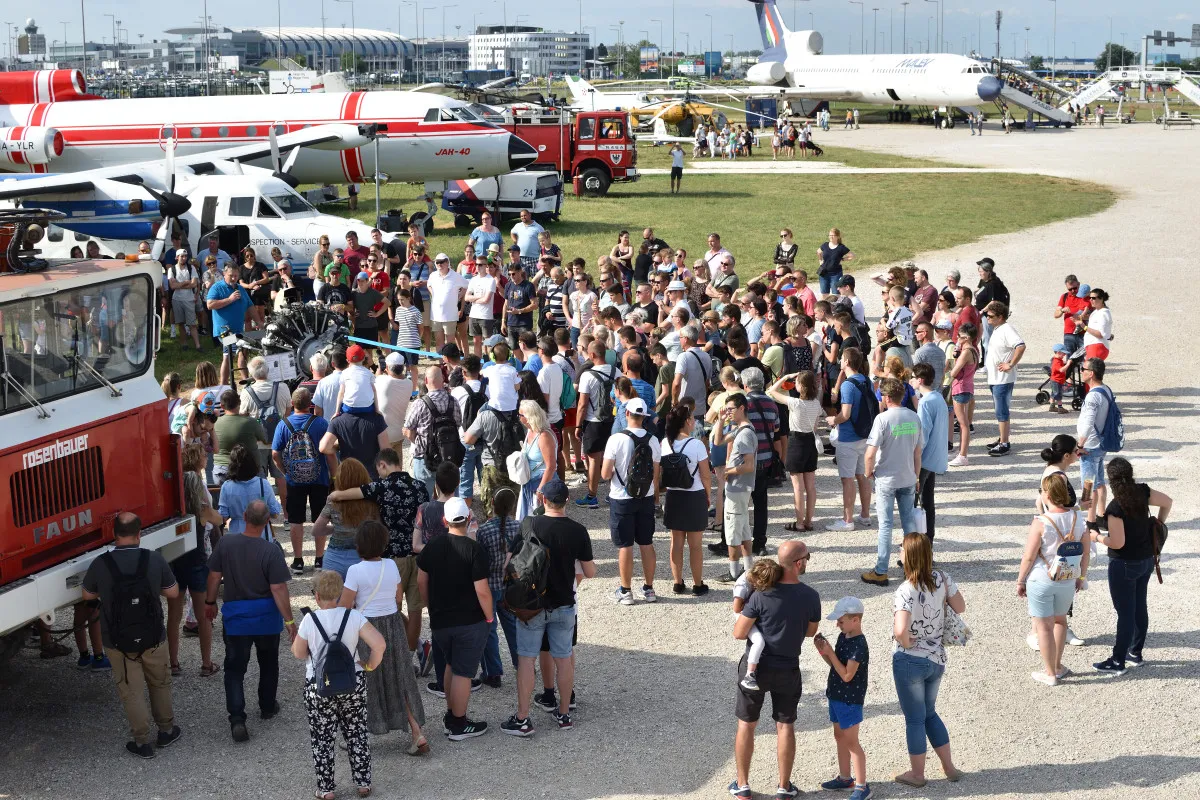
(595, 182)
(423, 220)
(464, 221)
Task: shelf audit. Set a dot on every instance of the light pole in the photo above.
(1054, 41)
(353, 35)
(904, 25)
(1026, 41)
(862, 44)
(874, 30)
(416, 34)
(660, 38)
(424, 37)
(443, 69)
(937, 30)
(928, 41)
(711, 42)
(620, 52)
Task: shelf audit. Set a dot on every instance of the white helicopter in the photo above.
(202, 196)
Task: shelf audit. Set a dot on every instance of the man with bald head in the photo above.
(418, 426)
(257, 610)
(787, 614)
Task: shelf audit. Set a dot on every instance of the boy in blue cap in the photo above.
(847, 690)
(1058, 377)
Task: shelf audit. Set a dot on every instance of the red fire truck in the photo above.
(83, 426)
(593, 149)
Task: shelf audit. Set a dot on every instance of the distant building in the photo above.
(441, 60)
(31, 43)
(521, 49)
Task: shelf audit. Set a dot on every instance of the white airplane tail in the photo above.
(579, 89)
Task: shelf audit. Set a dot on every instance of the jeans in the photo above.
(926, 482)
(421, 472)
(885, 500)
(492, 665)
(1056, 391)
(1072, 342)
(237, 657)
(758, 498)
(470, 469)
(917, 681)
(1091, 467)
(1127, 582)
(1002, 400)
(829, 282)
(575, 332)
(339, 560)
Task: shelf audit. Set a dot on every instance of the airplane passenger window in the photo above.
(265, 210)
(432, 115)
(241, 206)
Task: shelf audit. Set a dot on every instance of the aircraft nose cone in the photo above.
(520, 153)
(989, 87)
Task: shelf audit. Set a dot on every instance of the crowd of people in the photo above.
(688, 390)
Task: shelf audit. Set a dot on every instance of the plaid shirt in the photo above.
(764, 416)
(420, 420)
(496, 544)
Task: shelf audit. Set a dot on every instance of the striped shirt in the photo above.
(408, 319)
(555, 295)
(764, 416)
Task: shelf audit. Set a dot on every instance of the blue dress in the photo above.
(537, 468)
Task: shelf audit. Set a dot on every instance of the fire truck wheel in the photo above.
(595, 182)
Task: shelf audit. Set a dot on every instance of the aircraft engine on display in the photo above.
(30, 145)
(766, 73)
(43, 86)
(807, 42)
(304, 329)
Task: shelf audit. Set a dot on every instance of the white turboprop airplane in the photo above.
(426, 138)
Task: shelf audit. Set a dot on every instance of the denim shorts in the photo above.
(1002, 397)
(557, 625)
(844, 715)
(631, 521)
(1049, 598)
(191, 571)
(462, 645)
(1091, 467)
(963, 397)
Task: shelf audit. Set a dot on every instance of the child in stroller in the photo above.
(1064, 370)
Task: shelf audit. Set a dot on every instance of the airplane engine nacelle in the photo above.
(30, 145)
(766, 73)
(809, 43)
(42, 86)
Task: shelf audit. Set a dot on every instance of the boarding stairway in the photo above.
(1002, 67)
(1015, 97)
(1184, 84)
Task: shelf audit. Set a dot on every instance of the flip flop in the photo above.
(176, 670)
(909, 781)
(955, 775)
(208, 672)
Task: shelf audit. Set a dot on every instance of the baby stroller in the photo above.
(1073, 385)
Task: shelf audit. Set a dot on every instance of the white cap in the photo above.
(676, 286)
(441, 257)
(456, 511)
(394, 359)
(637, 406)
(847, 605)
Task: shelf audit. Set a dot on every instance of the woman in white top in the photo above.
(730, 384)
(373, 588)
(541, 451)
(801, 461)
(1098, 333)
(581, 308)
(686, 510)
(919, 657)
(1053, 568)
(348, 713)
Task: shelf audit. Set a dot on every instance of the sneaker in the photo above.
(861, 792)
(563, 720)
(959, 461)
(1000, 450)
(467, 729)
(319, 562)
(1132, 661)
(239, 732)
(140, 750)
(740, 792)
(840, 525)
(622, 596)
(424, 657)
(492, 680)
(191, 631)
(838, 783)
(588, 501)
(1072, 639)
(517, 727)
(84, 662)
(699, 590)
(571, 706)
(476, 685)
(297, 566)
(874, 578)
(101, 664)
(864, 521)
(547, 701)
(679, 588)
(648, 594)
(762, 551)
(717, 549)
(725, 577)
(1041, 677)
(436, 689)
(1032, 640)
(786, 792)
(749, 683)
(1109, 667)
(270, 713)
(167, 738)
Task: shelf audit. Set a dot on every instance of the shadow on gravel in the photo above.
(1120, 773)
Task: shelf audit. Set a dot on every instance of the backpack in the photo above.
(336, 675)
(676, 472)
(266, 412)
(512, 434)
(639, 479)
(475, 402)
(797, 358)
(649, 368)
(863, 416)
(527, 573)
(604, 403)
(444, 441)
(134, 625)
(1068, 553)
(301, 460)
(1112, 437)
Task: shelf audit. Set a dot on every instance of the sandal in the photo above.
(324, 795)
(55, 650)
(364, 791)
(176, 671)
(903, 778)
(420, 747)
(794, 527)
(210, 670)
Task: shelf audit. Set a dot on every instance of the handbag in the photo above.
(518, 467)
(954, 629)
(1158, 533)
(920, 523)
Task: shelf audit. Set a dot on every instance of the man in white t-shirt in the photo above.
(502, 377)
(394, 389)
(595, 382)
(470, 397)
(326, 394)
(676, 167)
(357, 392)
(550, 379)
(480, 291)
(631, 518)
(446, 291)
(1004, 352)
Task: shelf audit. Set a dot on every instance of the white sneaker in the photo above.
(623, 598)
(1042, 677)
(864, 521)
(959, 461)
(1072, 639)
(1032, 640)
(648, 594)
(840, 525)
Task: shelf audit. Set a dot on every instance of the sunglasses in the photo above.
(804, 557)
(1093, 297)
(371, 261)
(991, 314)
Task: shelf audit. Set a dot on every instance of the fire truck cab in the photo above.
(592, 149)
(83, 430)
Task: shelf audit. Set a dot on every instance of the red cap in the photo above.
(355, 353)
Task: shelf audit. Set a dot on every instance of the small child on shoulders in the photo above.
(759, 578)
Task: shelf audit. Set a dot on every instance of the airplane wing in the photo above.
(752, 92)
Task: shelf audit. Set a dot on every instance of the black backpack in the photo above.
(444, 441)
(265, 411)
(676, 472)
(336, 675)
(134, 622)
(527, 573)
(604, 403)
(639, 480)
(863, 416)
(649, 368)
(475, 401)
(512, 434)
(797, 358)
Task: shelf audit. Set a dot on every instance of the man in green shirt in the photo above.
(666, 377)
(233, 429)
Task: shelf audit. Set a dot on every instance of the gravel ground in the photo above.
(656, 682)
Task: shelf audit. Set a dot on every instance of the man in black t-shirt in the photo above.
(452, 574)
(359, 436)
(786, 614)
(568, 543)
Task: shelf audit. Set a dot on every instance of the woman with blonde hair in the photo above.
(340, 520)
(316, 270)
(540, 449)
(697, 286)
(731, 383)
(894, 367)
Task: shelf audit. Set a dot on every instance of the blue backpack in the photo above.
(1112, 437)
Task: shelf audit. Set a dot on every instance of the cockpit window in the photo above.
(265, 210)
(291, 204)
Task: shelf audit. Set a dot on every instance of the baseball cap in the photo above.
(847, 605)
(1060, 348)
(1083, 291)
(637, 407)
(944, 325)
(451, 351)
(514, 246)
(494, 339)
(846, 280)
(363, 276)
(986, 263)
(555, 491)
(332, 268)
(456, 511)
(394, 359)
(207, 404)
(441, 257)
(676, 286)
(355, 353)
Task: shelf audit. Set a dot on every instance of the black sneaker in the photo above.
(466, 729)
(571, 706)
(239, 732)
(563, 720)
(476, 684)
(140, 750)
(436, 689)
(1110, 668)
(318, 562)
(297, 566)
(717, 548)
(269, 713)
(679, 588)
(761, 550)
(700, 589)
(1000, 450)
(1132, 661)
(547, 701)
(492, 681)
(517, 727)
(167, 738)
(829, 450)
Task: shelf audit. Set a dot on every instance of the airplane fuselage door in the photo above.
(208, 216)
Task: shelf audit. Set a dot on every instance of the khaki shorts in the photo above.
(183, 311)
(737, 518)
(445, 328)
(851, 458)
(408, 579)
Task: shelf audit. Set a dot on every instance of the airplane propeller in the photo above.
(170, 205)
(282, 170)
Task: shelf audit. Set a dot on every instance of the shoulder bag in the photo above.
(954, 630)
(518, 465)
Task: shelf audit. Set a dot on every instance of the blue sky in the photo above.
(1083, 25)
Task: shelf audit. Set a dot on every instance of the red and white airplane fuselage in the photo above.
(428, 138)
